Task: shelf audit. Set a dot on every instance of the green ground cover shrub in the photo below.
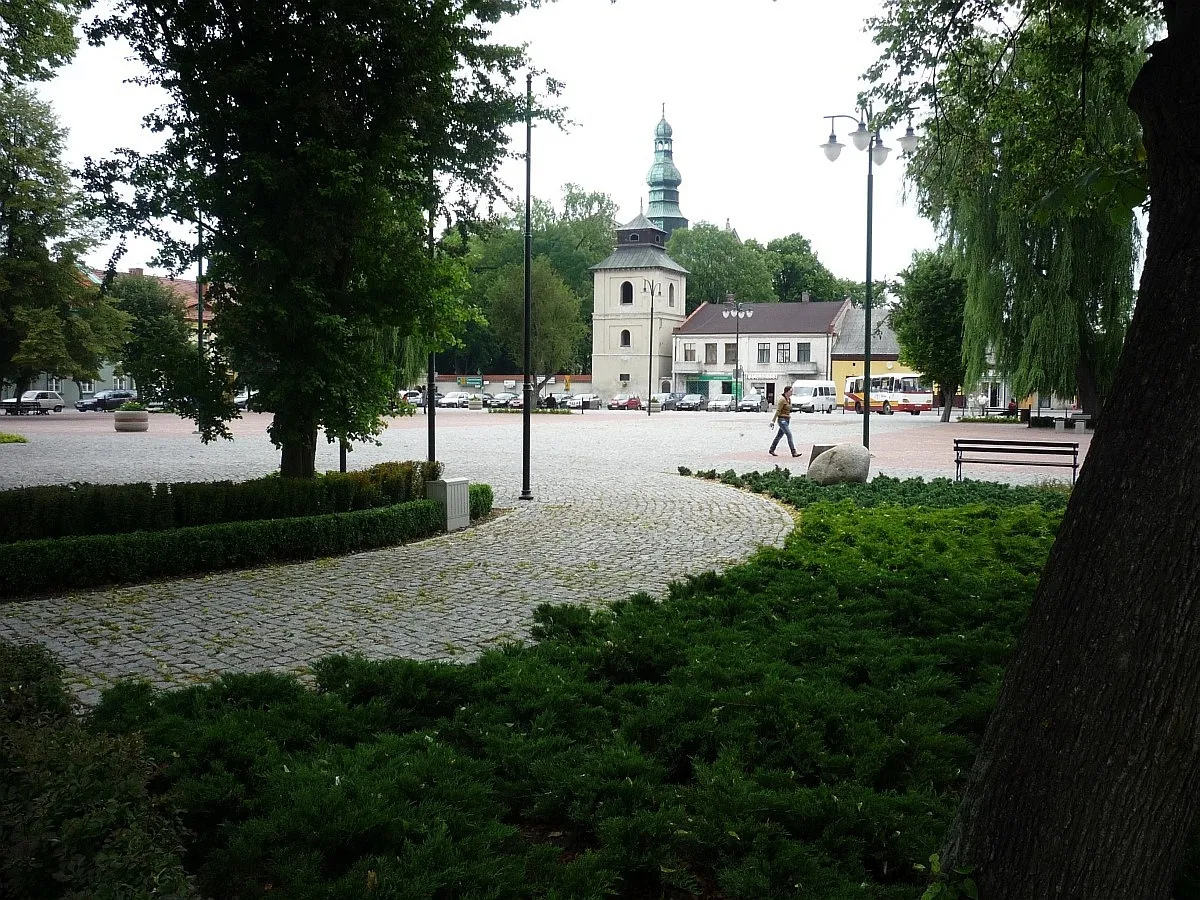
(81, 509)
(31, 567)
(800, 725)
(6, 438)
(76, 817)
(990, 420)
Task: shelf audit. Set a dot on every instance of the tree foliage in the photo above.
(928, 322)
(796, 269)
(159, 346)
(719, 263)
(52, 317)
(36, 37)
(555, 326)
(1018, 123)
(313, 169)
(572, 238)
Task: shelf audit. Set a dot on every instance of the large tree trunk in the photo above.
(297, 445)
(1087, 782)
(947, 395)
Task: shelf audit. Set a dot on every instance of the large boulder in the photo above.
(841, 463)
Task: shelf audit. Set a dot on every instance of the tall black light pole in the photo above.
(199, 313)
(738, 310)
(431, 374)
(652, 288)
(527, 406)
(866, 138)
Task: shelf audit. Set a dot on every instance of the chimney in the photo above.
(805, 297)
(137, 272)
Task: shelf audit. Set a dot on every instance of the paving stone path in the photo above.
(448, 597)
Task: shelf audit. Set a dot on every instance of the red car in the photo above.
(625, 401)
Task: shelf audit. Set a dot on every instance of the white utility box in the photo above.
(455, 498)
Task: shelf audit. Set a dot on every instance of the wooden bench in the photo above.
(1025, 453)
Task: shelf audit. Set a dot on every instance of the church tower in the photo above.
(664, 180)
(639, 299)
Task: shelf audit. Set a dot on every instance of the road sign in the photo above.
(474, 381)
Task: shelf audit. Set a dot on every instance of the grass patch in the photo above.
(6, 438)
(798, 726)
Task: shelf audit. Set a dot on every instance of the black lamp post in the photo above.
(527, 403)
(865, 138)
(738, 311)
(650, 287)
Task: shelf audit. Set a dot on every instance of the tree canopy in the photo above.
(52, 317)
(555, 325)
(719, 263)
(313, 170)
(928, 322)
(36, 37)
(159, 348)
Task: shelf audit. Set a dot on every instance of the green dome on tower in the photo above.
(664, 180)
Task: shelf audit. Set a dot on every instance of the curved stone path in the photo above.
(449, 597)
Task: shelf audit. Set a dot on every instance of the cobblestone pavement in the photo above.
(608, 519)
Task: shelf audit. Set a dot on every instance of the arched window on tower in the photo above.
(670, 295)
(634, 238)
(626, 292)
(625, 338)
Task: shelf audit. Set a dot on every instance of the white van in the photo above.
(814, 396)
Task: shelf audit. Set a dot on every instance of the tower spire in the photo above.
(664, 180)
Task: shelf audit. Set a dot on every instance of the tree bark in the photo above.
(1088, 778)
(297, 445)
(947, 402)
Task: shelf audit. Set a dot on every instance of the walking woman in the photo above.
(783, 415)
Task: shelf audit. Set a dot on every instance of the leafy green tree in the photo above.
(796, 269)
(928, 322)
(1050, 287)
(313, 169)
(720, 264)
(52, 318)
(572, 238)
(36, 37)
(555, 326)
(1084, 783)
(159, 347)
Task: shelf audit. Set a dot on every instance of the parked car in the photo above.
(721, 403)
(412, 398)
(37, 402)
(245, 399)
(625, 401)
(104, 400)
(577, 401)
(454, 399)
(752, 402)
(692, 402)
(668, 401)
(500, 399)
(517, 402)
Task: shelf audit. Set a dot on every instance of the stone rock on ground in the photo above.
(841, 463)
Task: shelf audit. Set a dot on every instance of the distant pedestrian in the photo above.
(783, 416)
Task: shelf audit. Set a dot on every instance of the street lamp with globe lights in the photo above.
(738, 310)
(866, 137)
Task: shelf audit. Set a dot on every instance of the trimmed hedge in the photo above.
(481, 498)
(85, 561)
(82, 509)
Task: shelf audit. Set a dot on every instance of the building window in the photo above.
(764, 354)
(87, 387)
(635, 238)
(689, 352)
(626, 292)
(730, 354)
(670, 295)
(120, 382)
(804, 353)
(783, 353)
(623, 377)
(53, 383)
(710, 354)
(625, 338)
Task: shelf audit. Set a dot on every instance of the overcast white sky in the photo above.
(745, 82)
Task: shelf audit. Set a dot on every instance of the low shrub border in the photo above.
(85, 561)
(6, 438)
(480, 500)
(503, 410)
